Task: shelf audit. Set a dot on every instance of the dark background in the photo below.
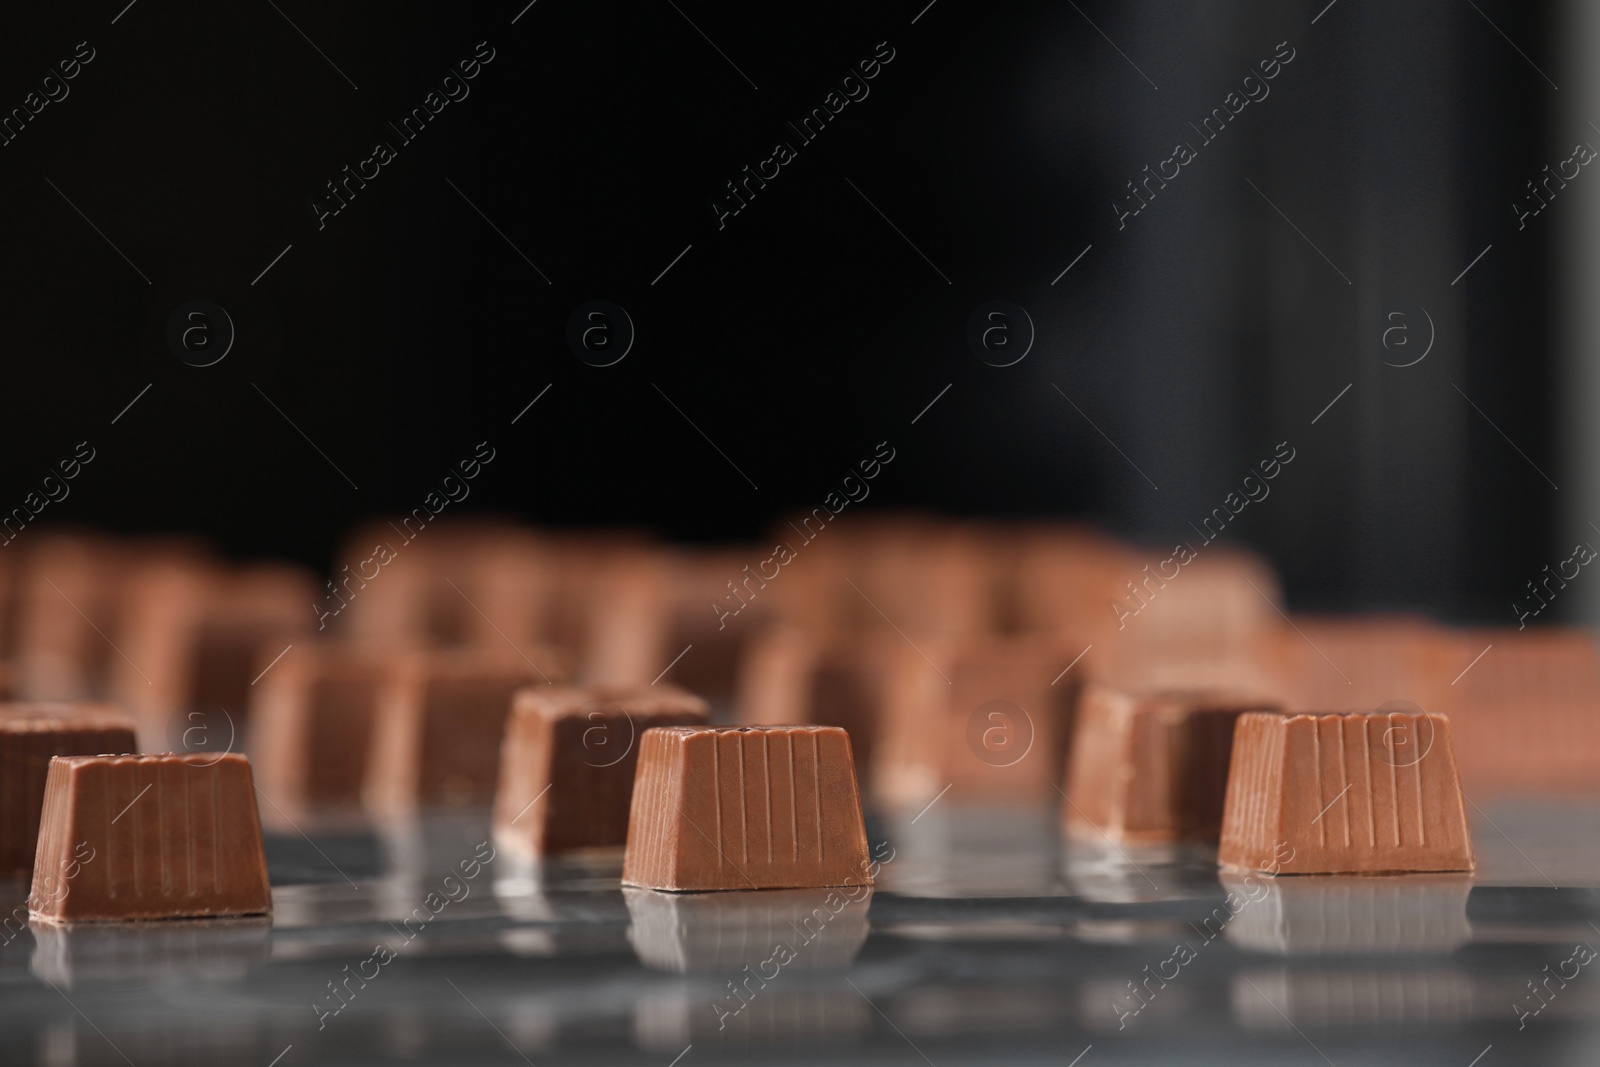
(807, 330)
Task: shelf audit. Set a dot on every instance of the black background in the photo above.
(808, 329)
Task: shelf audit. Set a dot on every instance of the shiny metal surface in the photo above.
(985, 941)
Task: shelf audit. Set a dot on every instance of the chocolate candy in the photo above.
(788, 676)
(439, 724)
(1365, 661)
(697, 584)
(625, 636)
(10, 580)
(382, 592)
(311, 724)
(394, 586)
(568, 759)
(1506, 681)
(1190, 604)
(578, 560)
(1351, 793)
(149, 837)
(745, 807)
(153, 678)
(189, 634)
(869, 575)
(990, 718)
(68, 589)
(1062, 578)
(495, 586)
(250, 611)
(921, 576)
(1152, 768)
(29, 735)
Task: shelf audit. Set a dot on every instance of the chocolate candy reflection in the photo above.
(756, 935)
(209, 950)
(1285, 1000)
(1330, 915)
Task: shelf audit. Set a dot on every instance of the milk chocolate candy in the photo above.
(1366, 661)
(169, 836)
(395, 586)
(156, 631)
(927, 576)
(311, 724)
(1523, 711)
(775, 678)
(988, 717)
(579, 559)
(144, 603)
(379, 594)
(1344, 793)
(1152, 768)
(921, 576)
(440, 720)
(471, 581)
(10, 580)
(745, 807)
(29, 735)
(508, 576)
(1251, 667)
(1211, 622)
(808, 597)
(69, 588)
(788, 676)
(568, 759)
(1195, 604)
(249, 609)
(1060, 578)
(190, 633)
(699, 607)
(625, 640)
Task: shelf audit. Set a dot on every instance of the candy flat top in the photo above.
(53, 716)
(560, 700)
(1208, 699)
(198, 759)
(1373, 713)
(725, 730)
(475, 662)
